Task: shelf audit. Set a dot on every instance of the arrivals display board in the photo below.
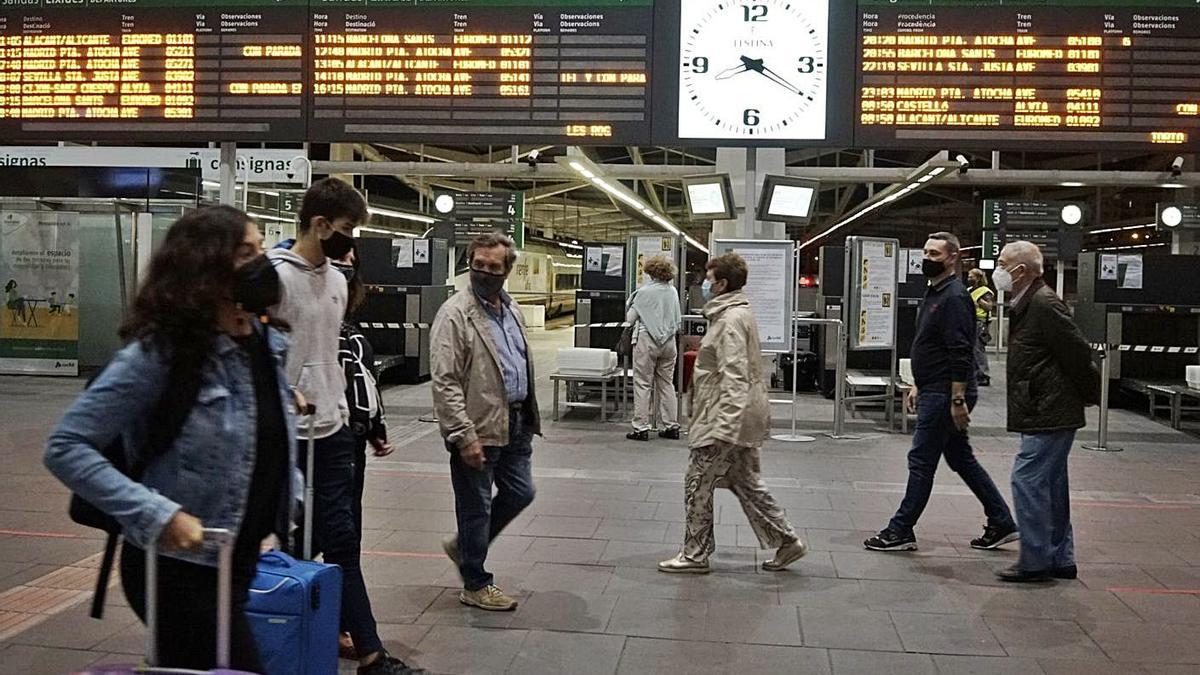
(152, 69)
(482, 71)
(1002, 74)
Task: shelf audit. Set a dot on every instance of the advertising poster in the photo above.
(648, 247)
(39, 266)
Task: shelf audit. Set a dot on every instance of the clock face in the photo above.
(753, 69)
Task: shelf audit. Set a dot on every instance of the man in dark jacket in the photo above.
(943, 362)
(1051, 378)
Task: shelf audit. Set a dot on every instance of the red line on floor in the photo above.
(404, 554)
(1157, 591)
(45, 535)
(1146, 507)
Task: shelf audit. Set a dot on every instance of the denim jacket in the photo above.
(206, 472)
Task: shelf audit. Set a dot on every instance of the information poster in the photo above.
(1129, 269)
(914, 258)
(873, 292)
(613, 262)
(420, 251)
(39, 265)
(768, 286)
(402, 250)
(1108, 267)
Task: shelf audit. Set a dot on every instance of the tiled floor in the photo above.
(581, 559)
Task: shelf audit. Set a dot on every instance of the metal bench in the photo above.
(1175, 395)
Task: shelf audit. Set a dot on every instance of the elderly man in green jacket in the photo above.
(1051, 378)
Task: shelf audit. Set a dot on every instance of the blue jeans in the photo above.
(482, 517)
(1042, 499)
(337, 535)
(934, 436)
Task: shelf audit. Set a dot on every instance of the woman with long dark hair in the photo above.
(196, 330)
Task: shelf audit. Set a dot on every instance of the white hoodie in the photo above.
(313, 302)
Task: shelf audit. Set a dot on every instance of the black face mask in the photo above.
(487, 284)
(347, 271)
(932, 269)
(256, 285)
(337, 246)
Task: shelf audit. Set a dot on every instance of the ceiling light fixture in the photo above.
(920, 178)
(404, 215)
(613, 188)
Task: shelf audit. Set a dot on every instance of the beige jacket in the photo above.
(729, 392)
(468, 387)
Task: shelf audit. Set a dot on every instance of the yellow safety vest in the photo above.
(981, 314)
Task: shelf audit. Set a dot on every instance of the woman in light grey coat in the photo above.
(654, 310)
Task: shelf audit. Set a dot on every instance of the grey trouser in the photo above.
(654, 372)
(739, 467)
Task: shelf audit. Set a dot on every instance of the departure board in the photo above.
(482, 71)
(210, 70)
(993, 74)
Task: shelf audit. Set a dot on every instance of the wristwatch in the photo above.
(958, 401)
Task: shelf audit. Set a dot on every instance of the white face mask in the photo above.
(1003, 280)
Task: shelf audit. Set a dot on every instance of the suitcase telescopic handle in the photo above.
(223, 539)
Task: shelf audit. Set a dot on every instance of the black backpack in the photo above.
(170, 414)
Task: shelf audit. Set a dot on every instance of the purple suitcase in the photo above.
(224, 539)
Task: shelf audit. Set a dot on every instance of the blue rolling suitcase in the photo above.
(295, 606)
(294, 609)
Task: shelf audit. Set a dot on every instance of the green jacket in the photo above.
(1051, 376)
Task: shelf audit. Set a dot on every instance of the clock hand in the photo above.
(747, 64)
(778, 79)
(726, 74)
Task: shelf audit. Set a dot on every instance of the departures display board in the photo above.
(996, 74)
(474, 71)
(152, 69)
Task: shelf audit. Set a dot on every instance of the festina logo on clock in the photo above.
(753, 69)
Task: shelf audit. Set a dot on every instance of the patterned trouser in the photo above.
(739, 469)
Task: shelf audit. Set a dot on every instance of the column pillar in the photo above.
(747, 169)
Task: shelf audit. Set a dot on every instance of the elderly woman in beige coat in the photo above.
(731, 417)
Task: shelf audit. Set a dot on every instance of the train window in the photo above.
(566, 282)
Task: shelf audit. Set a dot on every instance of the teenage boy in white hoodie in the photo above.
(314, 303)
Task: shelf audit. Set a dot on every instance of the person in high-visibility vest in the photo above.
(985, 302)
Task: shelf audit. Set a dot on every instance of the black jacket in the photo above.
(1051, 376)
(943, 350)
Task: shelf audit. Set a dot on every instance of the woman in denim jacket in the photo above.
(233, 463)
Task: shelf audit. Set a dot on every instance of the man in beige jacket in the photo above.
(731, 416)
(483, 393)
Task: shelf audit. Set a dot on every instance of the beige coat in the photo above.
(729, 392)
(468, 387)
